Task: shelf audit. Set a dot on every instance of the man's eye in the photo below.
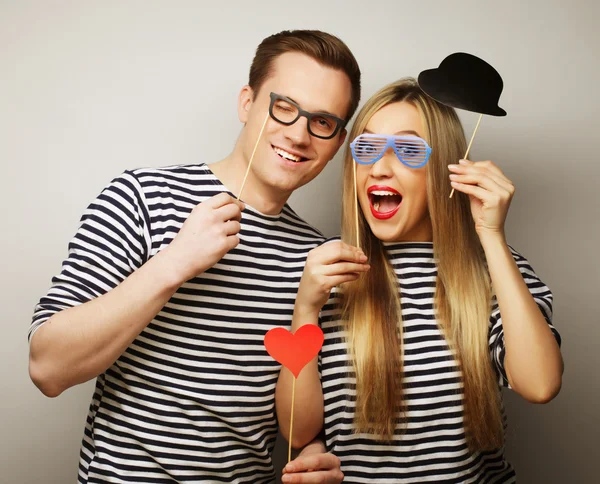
(324, 123)
(321, 122)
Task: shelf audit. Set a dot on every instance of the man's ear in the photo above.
(245, 102)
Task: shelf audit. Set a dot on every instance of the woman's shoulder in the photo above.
(524, 265)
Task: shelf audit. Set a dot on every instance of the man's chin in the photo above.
(287, 178)
(278, 182)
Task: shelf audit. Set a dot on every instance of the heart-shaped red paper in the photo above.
(294, 351)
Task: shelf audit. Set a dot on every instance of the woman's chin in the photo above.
(393, 233)
(386, 234)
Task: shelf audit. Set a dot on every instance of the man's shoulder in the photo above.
(295, 220)
(186, 180)
(172, 172)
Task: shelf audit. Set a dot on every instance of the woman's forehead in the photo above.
(396, 119)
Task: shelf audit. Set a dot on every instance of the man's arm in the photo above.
(81, 342)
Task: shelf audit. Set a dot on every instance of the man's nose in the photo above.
(298, 132)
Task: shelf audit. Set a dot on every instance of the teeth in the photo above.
(285, 154)
(383, 193)
(376, 206)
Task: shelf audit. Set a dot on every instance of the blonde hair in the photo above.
(371, 308)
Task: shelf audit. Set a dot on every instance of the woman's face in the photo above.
(392, 196)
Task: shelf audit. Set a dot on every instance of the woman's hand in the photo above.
(327, 266)
(489, 191)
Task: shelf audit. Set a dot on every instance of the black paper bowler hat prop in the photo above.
(467, 82)
(464, 81)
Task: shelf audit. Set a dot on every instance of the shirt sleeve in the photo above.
(112, 241)
(542, 296)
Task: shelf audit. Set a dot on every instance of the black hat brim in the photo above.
(435, 86)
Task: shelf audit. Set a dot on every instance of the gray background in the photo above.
(90, 88)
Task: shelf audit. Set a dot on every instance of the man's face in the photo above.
(288, 157)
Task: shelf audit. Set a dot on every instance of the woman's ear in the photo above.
(245, 103)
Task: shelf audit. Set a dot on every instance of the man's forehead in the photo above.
(311, 85)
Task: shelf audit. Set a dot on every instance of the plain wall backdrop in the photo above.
(91, 88)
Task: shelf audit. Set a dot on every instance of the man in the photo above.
(171, 284)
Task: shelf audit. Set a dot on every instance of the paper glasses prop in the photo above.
(411, 150)
(467, 82)
(294, 351)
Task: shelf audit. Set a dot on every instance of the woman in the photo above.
(436, 312)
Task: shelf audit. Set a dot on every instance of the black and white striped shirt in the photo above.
(192, 399)
(433, 446)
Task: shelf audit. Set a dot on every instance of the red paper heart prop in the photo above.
(294, 351)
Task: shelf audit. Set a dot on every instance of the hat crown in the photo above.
(473, 76)
(464, 81)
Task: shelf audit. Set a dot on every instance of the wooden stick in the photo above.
(356, 206)
(292, 421)
(469, 147)
(252, 157)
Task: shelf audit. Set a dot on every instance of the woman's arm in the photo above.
(326, 266)
(533, 361)
(308, 407)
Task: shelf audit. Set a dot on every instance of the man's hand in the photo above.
(313, 466)
(210, 231)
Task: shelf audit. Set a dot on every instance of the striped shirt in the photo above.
(192, 399)
(433, 446)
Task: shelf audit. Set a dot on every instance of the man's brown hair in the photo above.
(325, 48)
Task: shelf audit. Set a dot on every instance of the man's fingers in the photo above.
(219, 200)
(223, 199)
(322, 468)
(314, 462)
(317, 477)
(232, 227)
(230, 211)
(232, 242)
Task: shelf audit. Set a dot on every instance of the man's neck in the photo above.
(263, 198)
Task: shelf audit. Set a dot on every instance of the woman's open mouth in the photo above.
(384, 201)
